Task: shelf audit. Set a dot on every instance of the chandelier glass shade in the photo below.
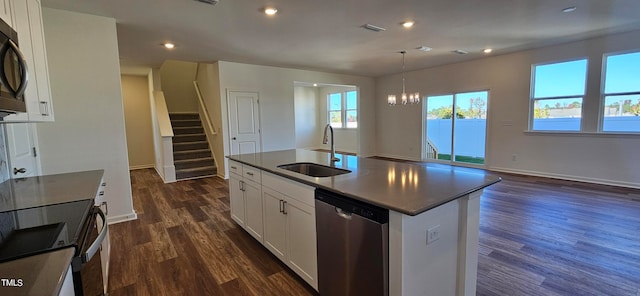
(411, 98)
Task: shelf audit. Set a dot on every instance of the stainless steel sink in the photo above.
(313, 169)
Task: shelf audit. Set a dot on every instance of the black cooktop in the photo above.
(37, 230)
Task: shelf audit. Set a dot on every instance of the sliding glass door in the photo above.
(455, 127)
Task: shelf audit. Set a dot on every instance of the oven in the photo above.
(87, 264)
(78, 224)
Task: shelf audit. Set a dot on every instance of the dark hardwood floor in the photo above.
(537, 237)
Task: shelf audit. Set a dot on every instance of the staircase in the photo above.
(191, 154)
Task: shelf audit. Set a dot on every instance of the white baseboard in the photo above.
(122, 218)
(402, 157)
(568, 177)
(140, 167)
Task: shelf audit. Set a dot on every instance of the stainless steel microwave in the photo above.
(13, 72)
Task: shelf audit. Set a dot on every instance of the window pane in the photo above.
(470, 127)
(560, 79)
(557, 115)
(622, 73)
(621, 114)
(335, 118)
(439, 126)
(352, 100)
(335, 101)
(352, 119)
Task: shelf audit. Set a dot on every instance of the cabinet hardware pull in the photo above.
(250, 173)
(106, 207)
(104, 184)
(233, 167)
(241, 185)
(19, 171)
(46, 109)
(284, 207)
(101, 193)
(281, 210)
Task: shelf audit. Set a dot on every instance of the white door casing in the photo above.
(22, 150)
(244, 122)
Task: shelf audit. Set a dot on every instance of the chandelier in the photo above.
(412, 98)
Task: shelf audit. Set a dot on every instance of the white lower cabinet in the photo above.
(290, 225)
(245, 194)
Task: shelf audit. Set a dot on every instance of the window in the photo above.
(459, 138)
(556, 96)
(343, 109)
(621, 93)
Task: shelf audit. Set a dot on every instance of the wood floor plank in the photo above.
(538, 236)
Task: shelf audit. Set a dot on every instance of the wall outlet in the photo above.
(514, 157)
(433, 234)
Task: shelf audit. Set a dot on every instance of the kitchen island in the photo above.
(433, 213)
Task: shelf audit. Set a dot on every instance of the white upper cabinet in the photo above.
(27, 21)
(5, 12)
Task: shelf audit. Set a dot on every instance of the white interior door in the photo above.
(22, 151)
(244, 122)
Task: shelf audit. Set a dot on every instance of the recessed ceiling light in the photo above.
(460, 51)
(315, 84)
(424, 48)
(169, 45)
(569, 9)
(408, 24)
(487, 50)
(270, 11)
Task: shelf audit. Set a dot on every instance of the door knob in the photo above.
(20, 170)
(233, 138)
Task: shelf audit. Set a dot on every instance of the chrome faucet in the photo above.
(325, 139)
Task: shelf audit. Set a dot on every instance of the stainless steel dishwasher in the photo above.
(353, 244)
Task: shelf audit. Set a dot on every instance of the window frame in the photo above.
(533, 99)
(343, 108)
(604, 94)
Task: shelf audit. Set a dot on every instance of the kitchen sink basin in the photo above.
(313, 169)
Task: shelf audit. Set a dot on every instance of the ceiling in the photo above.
(328, 35)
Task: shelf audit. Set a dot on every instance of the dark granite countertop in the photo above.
(408, 188)
(40, 274)
(38, 191)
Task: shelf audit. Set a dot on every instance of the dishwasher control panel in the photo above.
(350, 205)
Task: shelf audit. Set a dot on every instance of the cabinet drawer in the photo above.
(293, 189)
(235, 167)
(251, 173)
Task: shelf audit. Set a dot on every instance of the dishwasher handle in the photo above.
(342, 213)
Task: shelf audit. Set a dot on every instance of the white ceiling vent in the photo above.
(373, 28)
(460, 51)
(212, 2)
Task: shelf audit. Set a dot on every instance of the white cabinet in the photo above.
(105, 248)
(246, 198)
(290, 225)
(5, 12)
(27, 21)
(22, 150)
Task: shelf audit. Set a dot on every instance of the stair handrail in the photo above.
(207, 120)
(432, 150)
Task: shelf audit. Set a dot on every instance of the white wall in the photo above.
(137, 113)
(88, 132)
(307, 113)
(177, 84)
(608, 159)
(208, 78)
(277, 113)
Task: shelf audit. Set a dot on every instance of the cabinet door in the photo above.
(22, 142)
(274, 222)
(253, 208)
(301, 245)
(28, 23)
(236, 197)
(5, 12)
